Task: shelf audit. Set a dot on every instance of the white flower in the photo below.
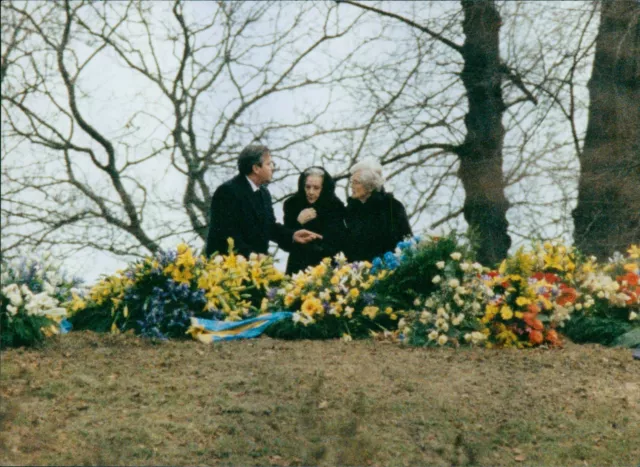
(476, 306)
(454, 283)
(436, 279)
(440, 264)
(12, 309)
(416, 302)
(348, 311)
(578, 306)
(433, 335)
(475, 337)
(633, 315)
(340, 258)
(442, 339)
(462, 291)
(218, 259)
(477, 266)
(346, 338)
(601, 294)
(48, 288)
(442, 324)
(457, 320)
(456, 256)
(425, 315)
(402, 324)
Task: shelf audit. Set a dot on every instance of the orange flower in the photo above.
(567, 295)
(535, 337)
(630, 277)
(552, 337)
(532, 322)
(533, 308)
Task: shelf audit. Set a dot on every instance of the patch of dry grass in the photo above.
(120, 400)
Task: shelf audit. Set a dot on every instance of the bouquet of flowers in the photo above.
(449, 315)
(31, 301)
(157, 296)
(608, 309)
(333, 300)
(530, 300)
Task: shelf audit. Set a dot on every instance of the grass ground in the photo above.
(120, 400)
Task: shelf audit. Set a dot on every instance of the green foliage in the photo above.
(22, 330)
(604, 330)
(413, 277)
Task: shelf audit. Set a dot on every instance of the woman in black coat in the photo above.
(376, 221)
(314, 207)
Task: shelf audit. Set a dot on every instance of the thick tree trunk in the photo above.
(607, 216)
(485, 205)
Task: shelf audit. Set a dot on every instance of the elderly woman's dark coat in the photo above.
(329, 223)
(375, 226)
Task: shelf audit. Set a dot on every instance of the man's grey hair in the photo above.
(369, 173)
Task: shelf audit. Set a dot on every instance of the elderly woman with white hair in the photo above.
(376, 221)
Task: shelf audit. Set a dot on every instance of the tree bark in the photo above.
(480, 171)
(607, 216)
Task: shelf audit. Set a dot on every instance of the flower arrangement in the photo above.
(608, 309)
(449, 315)
(157, 296)
(415, 263)
(530, 300)
(333, 300)
(32, 300)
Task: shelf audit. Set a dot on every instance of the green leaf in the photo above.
(629, 339)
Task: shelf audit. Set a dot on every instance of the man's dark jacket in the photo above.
(247, 217)
(375, 226)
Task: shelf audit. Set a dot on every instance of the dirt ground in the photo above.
(88, 399)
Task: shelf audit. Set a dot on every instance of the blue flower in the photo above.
(390, 260)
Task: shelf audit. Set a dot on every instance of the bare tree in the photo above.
(607, 217)
(480, 153)
(101, 184)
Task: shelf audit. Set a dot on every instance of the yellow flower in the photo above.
(311, 306)
(521, 301)
(634, 252)
(335, 280)
(77, 303)
(370, 311)
(506, 312)
(354, 293)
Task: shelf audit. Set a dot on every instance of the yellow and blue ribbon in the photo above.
(209, 330)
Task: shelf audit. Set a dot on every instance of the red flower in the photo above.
(549, 277)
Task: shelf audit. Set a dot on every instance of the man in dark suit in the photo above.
(241, 209)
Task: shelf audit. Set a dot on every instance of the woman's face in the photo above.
(358, 190)
(313, 188)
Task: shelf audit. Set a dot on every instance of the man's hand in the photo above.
(306, 215)
(305, 236)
